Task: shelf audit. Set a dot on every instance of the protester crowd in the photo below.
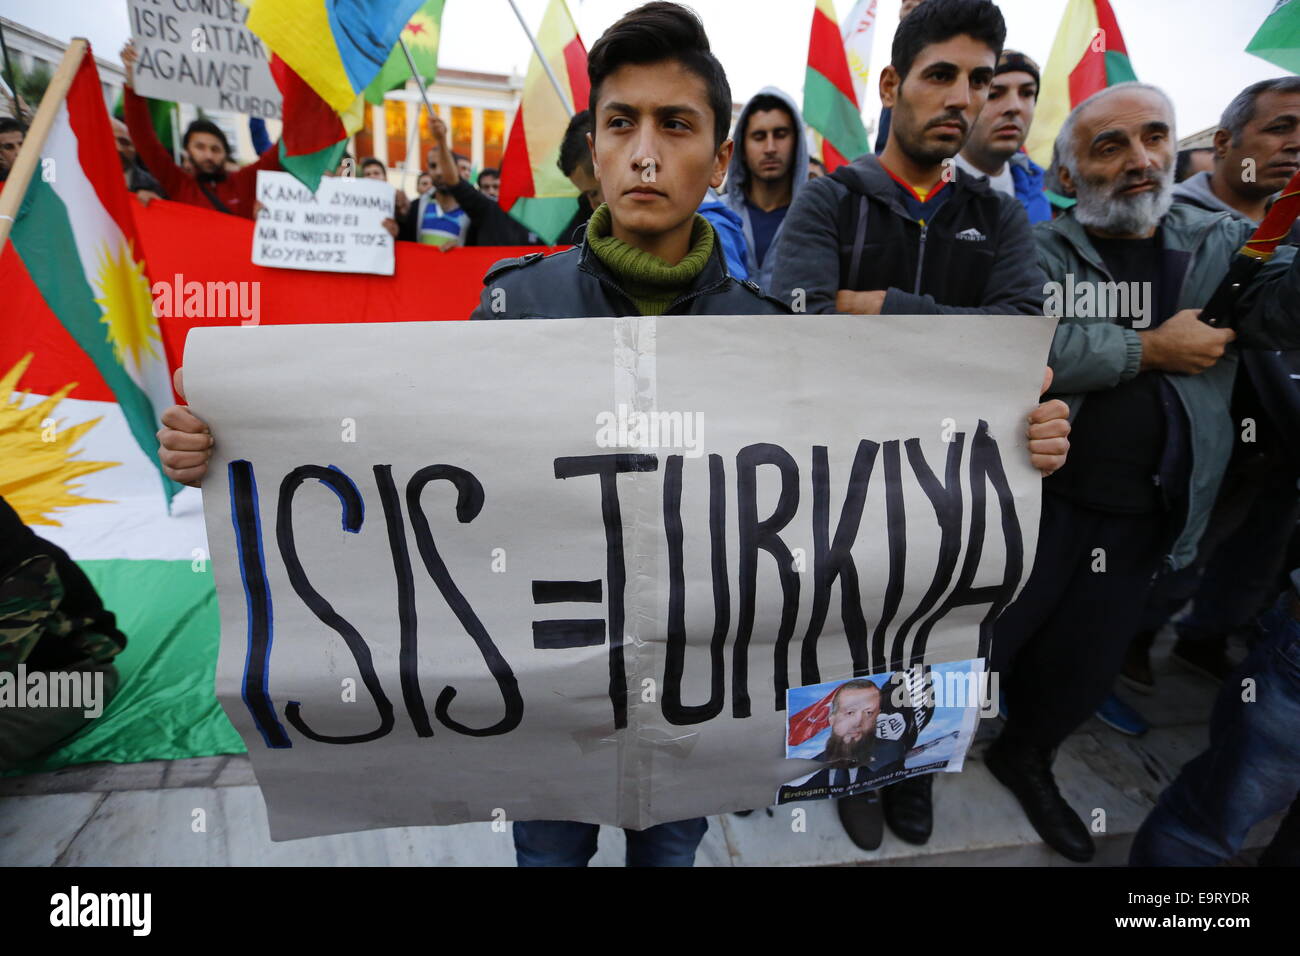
(1141, 438)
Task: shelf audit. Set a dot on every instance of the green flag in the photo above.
(161, 112)
(1278, 40)
(309, 168)
(421, 33)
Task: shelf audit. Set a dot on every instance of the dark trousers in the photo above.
(1061, 644)
(564, 843)
(1251, 769)
(1239, 556)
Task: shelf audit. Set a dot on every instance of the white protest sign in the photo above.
(339, 228)
(570, 569)
(201, 53)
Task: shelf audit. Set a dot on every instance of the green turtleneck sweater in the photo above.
(650, 281)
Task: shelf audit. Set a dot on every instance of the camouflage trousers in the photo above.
(40, 710)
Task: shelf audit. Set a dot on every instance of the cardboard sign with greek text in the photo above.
(338, 228)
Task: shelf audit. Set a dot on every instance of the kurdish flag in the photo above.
(830, 105)
(324, 55)
(532, 187)
(76, 237)
(421, 33)
(1088, 55)
(1278, 39)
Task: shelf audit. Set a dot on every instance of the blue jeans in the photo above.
(1250, 771)
(561, 843)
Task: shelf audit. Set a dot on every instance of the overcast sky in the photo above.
(1194, 49)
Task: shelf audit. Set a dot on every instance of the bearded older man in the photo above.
(1149, 385)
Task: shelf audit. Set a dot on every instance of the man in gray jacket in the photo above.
(767, 170)
(1148, 385)
(1256, 151)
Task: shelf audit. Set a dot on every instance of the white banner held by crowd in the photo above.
(572, 569)
(204, 55)
(339, 228)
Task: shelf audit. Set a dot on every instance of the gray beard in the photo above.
(1100, 209)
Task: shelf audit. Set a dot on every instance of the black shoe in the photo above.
(1136, 673)
(909, 809)
(862, 819)
(1026, 771)
(1207, 657)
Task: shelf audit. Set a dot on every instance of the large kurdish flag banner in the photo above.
(73, 469)
(76, 237)
(1088, 55)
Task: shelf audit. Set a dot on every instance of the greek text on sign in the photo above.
(445, 595)
(339, 228)
(201, 53)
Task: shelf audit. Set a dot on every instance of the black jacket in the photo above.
(575, 283)
(489, 224)
(851, 231)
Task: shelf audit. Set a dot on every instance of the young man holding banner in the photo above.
(661, 107)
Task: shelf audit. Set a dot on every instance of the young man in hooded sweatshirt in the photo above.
(660, 104)
(767, 170)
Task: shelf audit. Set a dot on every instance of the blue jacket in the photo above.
(729, 229)
(1028, 177)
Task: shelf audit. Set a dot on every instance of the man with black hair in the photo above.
(436, 218)
(909, 234)
(768, 168)
(489, 184)
(487, 224)
(211, 186)
(12, 133)
(464, 166)
(993, 149)
(138, 179)
(372, 168)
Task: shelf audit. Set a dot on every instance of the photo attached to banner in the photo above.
(867, 732)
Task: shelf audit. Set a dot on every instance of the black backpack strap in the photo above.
(212, 197)
(852, 215)
(859, 239)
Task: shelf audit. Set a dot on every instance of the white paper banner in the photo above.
(569, 569)
(339, 228)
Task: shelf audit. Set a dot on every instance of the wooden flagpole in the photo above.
(29, 156)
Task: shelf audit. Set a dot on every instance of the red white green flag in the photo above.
(532, 187)
(77, 239)
(1088, 55)
(830, 105)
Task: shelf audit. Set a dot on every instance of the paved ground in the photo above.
(144, 814)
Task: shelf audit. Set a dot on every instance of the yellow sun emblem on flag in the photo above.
(127, 306)
(37, 464)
